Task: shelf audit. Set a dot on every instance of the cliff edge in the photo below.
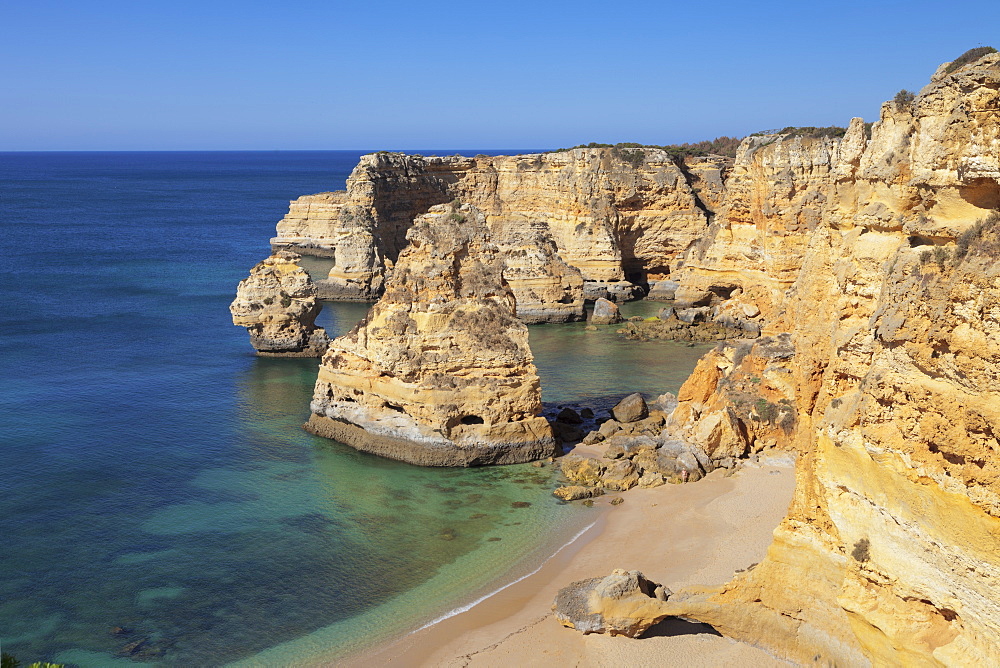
(876, 260)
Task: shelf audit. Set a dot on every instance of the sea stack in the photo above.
(439, 373)
(545, 288)
(278, 306)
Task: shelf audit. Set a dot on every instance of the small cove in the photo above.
(157, 478)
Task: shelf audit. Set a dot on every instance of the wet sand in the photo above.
(678, 535)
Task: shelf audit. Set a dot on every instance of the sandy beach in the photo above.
(678, 535)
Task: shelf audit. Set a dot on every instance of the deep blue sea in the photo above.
(155, 476)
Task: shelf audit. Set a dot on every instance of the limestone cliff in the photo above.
(545, 288)
(617, 217)
(278, 306)
(330, 224)
(439, 373)
(877, 260)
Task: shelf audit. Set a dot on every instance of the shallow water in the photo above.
(156, 477)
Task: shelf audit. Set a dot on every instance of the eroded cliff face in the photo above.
(439, 373)
(614, 217)
(873, 265)
(278, 306)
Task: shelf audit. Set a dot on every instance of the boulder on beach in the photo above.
(623, 603)
(630, 409)
(576, 492)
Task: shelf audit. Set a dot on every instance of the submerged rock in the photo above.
(278, 306)
(439, 373)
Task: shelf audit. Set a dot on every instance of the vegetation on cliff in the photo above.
(724, 146)
(980, 240)
(807, 131)
(970, 56)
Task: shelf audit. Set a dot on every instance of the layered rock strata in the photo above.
(618, 218)
(439, 373)
(877, 258)
(332, 225)
(545, 288)
(278, 306)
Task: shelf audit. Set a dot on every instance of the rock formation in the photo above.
(329, 224)
(545, 288)
(439, 373)
(616, 217)
(278, 306)
(875, 264)
(623, 603)
(631, 408)
(605, 313)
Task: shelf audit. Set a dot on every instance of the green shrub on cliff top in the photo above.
(970, 56)
(808, 131)
(904, 98)
(724, 146)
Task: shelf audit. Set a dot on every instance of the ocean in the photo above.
(159, 501)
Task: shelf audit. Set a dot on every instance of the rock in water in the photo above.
(605, 313)
(341, 227)
(278, 306)
(623, 603)
(545, 287)
(631, 408)
(439, 373)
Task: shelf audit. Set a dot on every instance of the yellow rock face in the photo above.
(278, 306)
(599, 215)
(439, 373)
(890, 552)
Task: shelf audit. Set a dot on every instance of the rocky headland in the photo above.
(572, 225)
(853, 279)
(439, 373)
(873, 261)
(277, 304)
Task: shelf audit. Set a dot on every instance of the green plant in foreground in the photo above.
(8, 661)
(941, 254)
(983, 237)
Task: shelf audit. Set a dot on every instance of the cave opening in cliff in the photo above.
(982, 193)
(723, 292)
(678, 626)
(472, 419)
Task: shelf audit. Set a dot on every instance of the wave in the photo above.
(469, 606)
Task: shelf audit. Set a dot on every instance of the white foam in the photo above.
(470, 606)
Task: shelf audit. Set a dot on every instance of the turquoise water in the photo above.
(156, 477)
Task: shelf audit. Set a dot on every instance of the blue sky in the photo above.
(181, 75)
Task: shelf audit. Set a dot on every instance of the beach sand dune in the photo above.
(678, 535)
